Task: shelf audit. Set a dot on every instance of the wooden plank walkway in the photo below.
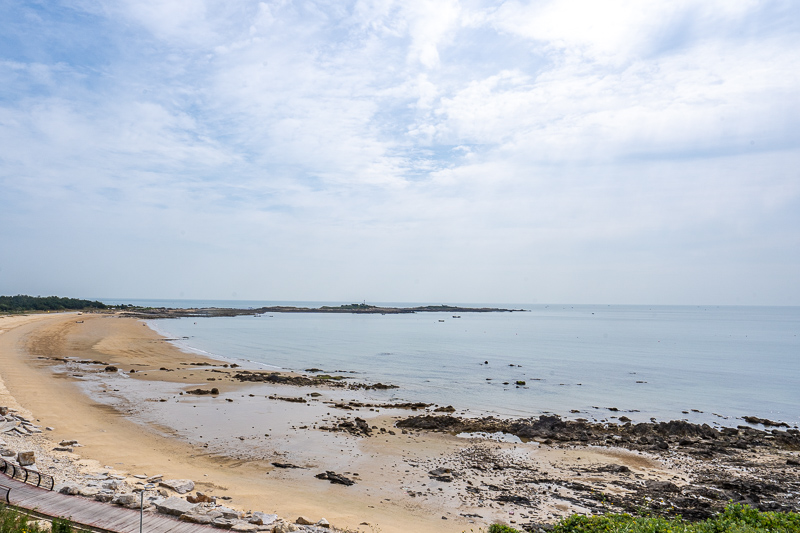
(96, 515)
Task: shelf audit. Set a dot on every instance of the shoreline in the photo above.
(394, 489)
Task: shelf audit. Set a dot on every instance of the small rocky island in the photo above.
(362, 308)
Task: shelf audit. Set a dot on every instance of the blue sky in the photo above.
(437, 151)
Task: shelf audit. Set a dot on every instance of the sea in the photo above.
(704, 364)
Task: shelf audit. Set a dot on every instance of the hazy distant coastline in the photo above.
(165, 312)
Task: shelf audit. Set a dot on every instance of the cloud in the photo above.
(555, 150)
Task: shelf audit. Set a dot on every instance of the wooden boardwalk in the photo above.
(96, 515)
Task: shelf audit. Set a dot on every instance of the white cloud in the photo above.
(451, 144)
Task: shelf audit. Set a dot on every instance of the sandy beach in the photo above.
(55, 370)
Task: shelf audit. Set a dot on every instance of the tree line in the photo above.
(23, 302)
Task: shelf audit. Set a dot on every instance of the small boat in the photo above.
(441, 321)
(456, 316)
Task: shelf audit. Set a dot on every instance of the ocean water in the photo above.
(703, 364)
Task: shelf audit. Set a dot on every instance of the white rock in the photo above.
(181, 486)
(323, 523)
(175, 506)
(263, 519)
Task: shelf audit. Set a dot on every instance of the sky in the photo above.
(566, 151)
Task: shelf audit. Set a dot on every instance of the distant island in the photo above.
(362, 308)
(22, 303)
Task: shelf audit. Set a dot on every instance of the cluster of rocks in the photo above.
(166, 498)
(303, 381)
(11, 421)
(696, 439)
(741, 465)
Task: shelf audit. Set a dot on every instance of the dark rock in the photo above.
(333, 477)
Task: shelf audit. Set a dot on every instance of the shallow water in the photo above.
(725, 362)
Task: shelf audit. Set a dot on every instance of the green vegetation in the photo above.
(735, 518)
(21, 303)
(12, 521)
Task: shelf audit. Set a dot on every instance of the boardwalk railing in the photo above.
(4, 492)
(26, 476)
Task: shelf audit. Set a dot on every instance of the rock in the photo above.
(113, 485)
(7, 452)
(26, 458)
(68, 443)
(662, 486)
(201, 498)
(175, 506)
(323, 523)
(333, 477)
(223, 523)
(181, 486)
(89, 492)
(3, 410)
(196, 517)
(303, 521)
(227, 512)
(793, 462)
(441, 474)
(284, 527)
(63, 449)
(104, 497)
(111, 368)
(263, 519)
(244, 526)
(72, 489)
(155, 479)
(126, 500)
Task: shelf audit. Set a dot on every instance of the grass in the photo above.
(12, 521)
(735, 518)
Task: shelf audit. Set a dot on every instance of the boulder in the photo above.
(89, 492)
(72, 489)
(175, 506)
(26, 458)
(284, 527)
(104, 497)
(263, 519)
(323, 523)
(114, 485)
(181, 486)
(303, 521)
(127, 500)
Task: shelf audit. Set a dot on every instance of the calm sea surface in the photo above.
(659, 361)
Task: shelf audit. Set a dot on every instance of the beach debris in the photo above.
(26, 458)
(175, 506)
(181, 486)
(333, 477)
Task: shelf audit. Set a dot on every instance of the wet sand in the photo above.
(145, 423)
